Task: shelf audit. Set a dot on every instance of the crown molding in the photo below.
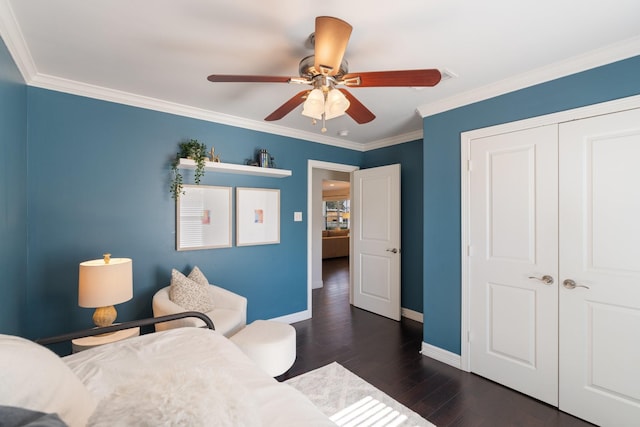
(612, 53)
(17, 46)
(394, 140)
(97, 92)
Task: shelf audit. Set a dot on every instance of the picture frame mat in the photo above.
(257, 216)
(203, 218)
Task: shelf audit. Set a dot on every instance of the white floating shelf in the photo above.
(238, 169)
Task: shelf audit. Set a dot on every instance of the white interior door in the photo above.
(375, 236)
(513, 260)
(600, 252)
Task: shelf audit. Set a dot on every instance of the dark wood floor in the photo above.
(386, 354)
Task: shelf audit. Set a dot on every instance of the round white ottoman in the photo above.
(272, 345)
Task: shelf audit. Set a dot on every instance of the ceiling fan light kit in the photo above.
(314, 105)
(327, 69)
(336, 105)
(325, 103)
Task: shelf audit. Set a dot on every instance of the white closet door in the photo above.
(600, 252)
(513, 247)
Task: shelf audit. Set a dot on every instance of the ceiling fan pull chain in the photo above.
(324, 127)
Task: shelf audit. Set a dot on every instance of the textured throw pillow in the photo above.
(189, 294)
(178, 397)
(33, 377)
(198, 276)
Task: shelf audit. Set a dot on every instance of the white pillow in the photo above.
(179, 397)
(34, 377)
(189, 294)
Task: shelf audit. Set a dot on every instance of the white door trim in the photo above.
(465, 151)
(311, 165)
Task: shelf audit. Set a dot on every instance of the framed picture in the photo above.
(257, 216)
(203, 218)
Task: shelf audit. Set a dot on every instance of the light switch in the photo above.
(297, 216)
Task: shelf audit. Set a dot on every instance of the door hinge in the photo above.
(469, 165)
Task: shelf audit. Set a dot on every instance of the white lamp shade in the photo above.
(314, 105)
(101, 284)
(336, 104)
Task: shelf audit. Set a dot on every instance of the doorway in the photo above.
(375, 241)
(318, 172)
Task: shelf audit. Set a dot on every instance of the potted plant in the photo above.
(191, 149)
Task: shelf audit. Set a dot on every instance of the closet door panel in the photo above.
(513, 245)
(599, 348)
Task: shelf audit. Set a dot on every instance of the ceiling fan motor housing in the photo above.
(307, 68)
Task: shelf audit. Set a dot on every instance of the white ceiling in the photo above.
(333, 185)
(157, 53)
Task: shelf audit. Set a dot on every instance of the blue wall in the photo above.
(13, 195)
(99, 182)
(98, 179)
(409, 156)
(442, 176)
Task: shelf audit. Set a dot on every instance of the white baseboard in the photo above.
(413, 315)
(441, 355)
(306, 314)
(294, 317)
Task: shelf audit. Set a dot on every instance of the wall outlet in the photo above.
(297, 216)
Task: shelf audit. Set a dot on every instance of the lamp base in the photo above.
(104, 316)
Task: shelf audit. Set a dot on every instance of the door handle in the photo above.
(394, 250)
(546, 279)
(571, 284)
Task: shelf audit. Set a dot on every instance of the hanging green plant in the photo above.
(193, 150)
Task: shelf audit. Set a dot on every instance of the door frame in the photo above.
(311, 165)
(466, 139)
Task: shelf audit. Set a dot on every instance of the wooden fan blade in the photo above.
(357, 111)
(410, 78)
(231, 78)
(331, 38)
(288, 106)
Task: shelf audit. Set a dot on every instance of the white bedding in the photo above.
(172, 354)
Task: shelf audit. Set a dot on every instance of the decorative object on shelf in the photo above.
(194, 150)
(102, 283)
(214, 157)
(264, 158)
(257, 216)
(203, 218)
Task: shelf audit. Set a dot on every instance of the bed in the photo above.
(179, 377)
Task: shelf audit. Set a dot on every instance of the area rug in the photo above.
(350, 401)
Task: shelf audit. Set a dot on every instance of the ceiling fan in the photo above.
(327, 69)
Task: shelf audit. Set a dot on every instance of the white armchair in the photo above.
(229, 314)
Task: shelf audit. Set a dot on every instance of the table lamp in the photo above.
(103, 283)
